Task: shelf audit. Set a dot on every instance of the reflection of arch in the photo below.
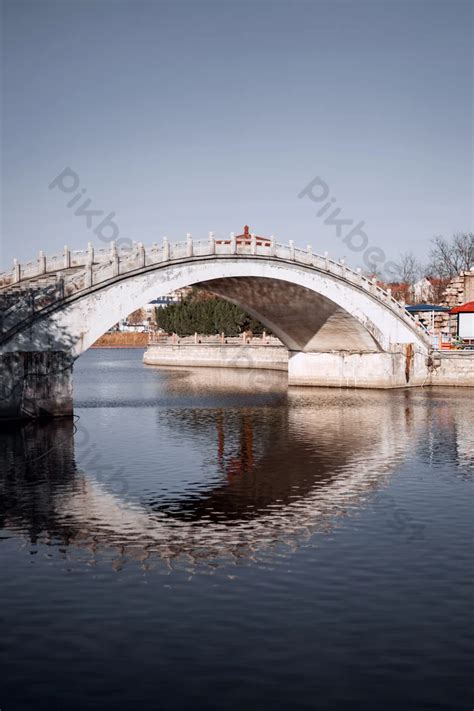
(266, 504)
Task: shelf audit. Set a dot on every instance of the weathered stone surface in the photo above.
(454, 368)
(35, 384)
(404, 368)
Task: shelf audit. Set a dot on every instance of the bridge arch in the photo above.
(335, 323)
(309, 309)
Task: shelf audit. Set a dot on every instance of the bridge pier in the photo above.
(402, 368)
(35, 384)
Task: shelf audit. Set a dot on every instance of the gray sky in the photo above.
(189, 117)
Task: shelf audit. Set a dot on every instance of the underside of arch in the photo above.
(303, 319)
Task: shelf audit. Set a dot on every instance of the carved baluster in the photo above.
(67, 257)
(253, 244)
(41, 263)
(114, 258)
(189, 245)
(16, 271)
(272, 246)
(141, 255)
(212, 243)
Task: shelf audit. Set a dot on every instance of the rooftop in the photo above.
(464, 308)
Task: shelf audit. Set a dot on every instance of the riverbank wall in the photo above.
(222, 355)
(455, 368)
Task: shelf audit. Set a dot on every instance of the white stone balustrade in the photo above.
(100, 265)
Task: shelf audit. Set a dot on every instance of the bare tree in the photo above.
(449, 257)
(409, 268)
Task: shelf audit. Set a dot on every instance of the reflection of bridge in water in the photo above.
(284, 473)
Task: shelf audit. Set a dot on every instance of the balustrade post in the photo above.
(67, 257)
(189, 245)
(114, 258)
(326, 261)
(343, 268)
(141, 255)
(272, 246)
(41, 263)
(166, 249)
(16, 271)
(359, 275)
(309, 250)
(90, 252)
(253, 244)
(212, 243)
(89, 276)
(292, 249)
(389, 292)
(233, 243)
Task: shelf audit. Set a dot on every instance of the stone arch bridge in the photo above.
(339, 327)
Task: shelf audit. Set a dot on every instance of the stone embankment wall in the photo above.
(453, 368)
(359, 370)
(218, 356)
(35, 384)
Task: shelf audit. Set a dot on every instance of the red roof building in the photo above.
(464, 308)
(465, 323)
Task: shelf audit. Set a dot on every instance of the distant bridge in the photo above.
(340, 328)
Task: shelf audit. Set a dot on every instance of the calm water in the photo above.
(212, 540)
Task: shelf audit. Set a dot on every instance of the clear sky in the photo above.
(196, 116)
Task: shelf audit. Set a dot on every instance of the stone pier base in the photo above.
(35, 384)
(359, 370)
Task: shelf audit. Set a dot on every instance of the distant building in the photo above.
(435, 319)
(464, 321)
(422, 292)
(160, 303)
(460, 290)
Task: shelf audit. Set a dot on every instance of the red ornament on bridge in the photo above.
(246, 238)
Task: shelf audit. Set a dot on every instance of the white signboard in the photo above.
(466, 325)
